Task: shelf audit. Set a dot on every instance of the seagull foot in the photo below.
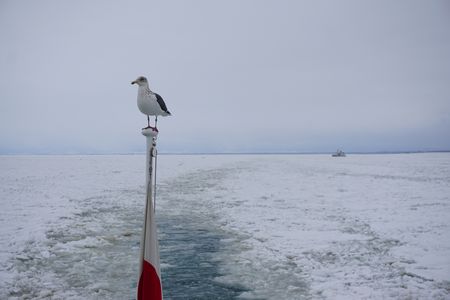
(152, 128)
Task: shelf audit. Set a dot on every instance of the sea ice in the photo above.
(283, 226)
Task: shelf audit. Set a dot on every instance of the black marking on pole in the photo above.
(154, 186)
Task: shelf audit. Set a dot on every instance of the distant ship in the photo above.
(338, 153)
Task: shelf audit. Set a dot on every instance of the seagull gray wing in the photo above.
(161, 103)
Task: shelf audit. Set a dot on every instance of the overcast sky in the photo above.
(238, 76)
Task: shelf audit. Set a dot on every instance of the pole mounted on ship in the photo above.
(149, 284)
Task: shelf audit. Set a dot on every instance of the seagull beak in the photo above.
(133, 82)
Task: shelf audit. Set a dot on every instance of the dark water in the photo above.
(190, 241)
(189, 254)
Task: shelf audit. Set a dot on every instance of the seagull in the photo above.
(150, 103)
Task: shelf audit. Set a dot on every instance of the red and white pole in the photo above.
(149, 285)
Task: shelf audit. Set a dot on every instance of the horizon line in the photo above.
(230, 153)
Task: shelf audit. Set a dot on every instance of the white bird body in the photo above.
(148, 103)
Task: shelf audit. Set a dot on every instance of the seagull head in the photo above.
(141, 81)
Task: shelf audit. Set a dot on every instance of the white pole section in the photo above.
(149, 285)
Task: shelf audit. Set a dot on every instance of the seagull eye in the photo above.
(142, 79)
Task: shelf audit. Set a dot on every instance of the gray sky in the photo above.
(237, 75)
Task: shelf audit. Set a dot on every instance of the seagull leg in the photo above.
(156, 121)
(148, 121)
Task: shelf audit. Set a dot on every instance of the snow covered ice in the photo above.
(252, 226)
